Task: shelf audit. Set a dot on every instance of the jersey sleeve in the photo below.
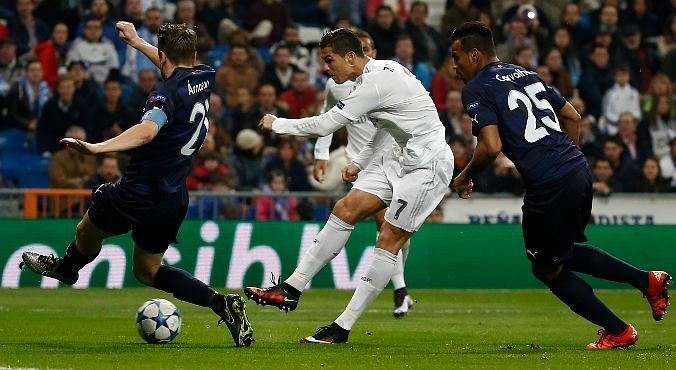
(363, 99)
(158, 108)
(479, 108)
(555, 98)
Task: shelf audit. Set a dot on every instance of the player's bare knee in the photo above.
(391, 238)
(344, 210)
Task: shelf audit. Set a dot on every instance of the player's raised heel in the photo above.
(328, 334)
(235, 318)
(623, 340)
(46, 266)
(657, 293)
(277, 295)
(402, 303)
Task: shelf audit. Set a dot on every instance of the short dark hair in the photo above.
(420, 3)
(364, 35)
(475, 35)
(31, 61)
(342, 41)
(178, 41)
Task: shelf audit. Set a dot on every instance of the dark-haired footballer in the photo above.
(513, 111)
(151, 198)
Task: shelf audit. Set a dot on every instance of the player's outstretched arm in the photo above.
(488, 148)
(134, 137)
(571, 122)
(127, 33)
(321, 125)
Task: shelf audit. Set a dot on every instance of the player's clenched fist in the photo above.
(266, 122)
(350, 172)
(126, 31)
(463, 186)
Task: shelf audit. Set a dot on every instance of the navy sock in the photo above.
(74, 261)
(580, 297)
(183, 286)
(597, 263)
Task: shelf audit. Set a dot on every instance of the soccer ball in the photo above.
(158, 321)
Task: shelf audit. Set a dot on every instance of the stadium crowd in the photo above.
(65, 72)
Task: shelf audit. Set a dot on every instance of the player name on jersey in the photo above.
(197, 88)
(518, 73)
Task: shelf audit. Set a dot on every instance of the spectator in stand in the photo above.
(86, 89)
(607, 18)
(596, 79)
(245, 114)
(560, 76)
(443, 81)
(281, 207)
(651, 180)
(603, 181)
(636, 141)
(108, 171)
(621, 97)
(579, 32)
(516, 38)
(185, 13)
(525, 57)
(133, 13)
(267, 104)
(451, 117)
(147, 79)
(27, 97)
(313, 110)
(526, 9)
(461, 156)
(316, 13)
(427, 41)
(224, 18)
(398, 8)
(135, 61)
(60, 112)
(110, 117)
(571, 62)
(247, 159)
(659, 85)
(662, 125)
(11, 70)
(96, 51)
(52, 53)
(404, 55)
(236, 72)
(267, 20)
(545, 74)
(638, 13)
(666, 42)
(223, 144)
(204, 173)
(625, 169)
(300, 96)
(26, 30)
(100, 9)
(641, 57)
(384, 30)
(300, 55)
(466, 132)
(293, 169)
(589, 133)
(502, 177)
(668, 165)
(279, 71)
(462, 11)
(69, 168)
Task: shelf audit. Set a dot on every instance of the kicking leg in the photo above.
(355, 206)
(373, 282)
(149, 270)
(80, 252)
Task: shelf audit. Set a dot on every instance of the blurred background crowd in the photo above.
(65, 72)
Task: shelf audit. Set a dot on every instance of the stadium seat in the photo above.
(34, 171)
(216, 55)
(264, 53)
(11, 166)
(14, 141)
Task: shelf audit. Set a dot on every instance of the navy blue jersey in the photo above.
(524, 109)
(162, 165)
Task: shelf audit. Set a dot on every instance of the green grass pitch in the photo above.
(448, 329)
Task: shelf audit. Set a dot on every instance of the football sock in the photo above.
(597, 263)
(328, 244)
(371, 284)
(398, 276)
(74, 260)
(580, 297)
(183, 286)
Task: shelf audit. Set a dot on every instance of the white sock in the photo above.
(329, 242)
(371, 284)
(398, 275)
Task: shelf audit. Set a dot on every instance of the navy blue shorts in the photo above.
(555, 217)
(153, 220)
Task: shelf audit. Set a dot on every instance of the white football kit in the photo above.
(412, 175)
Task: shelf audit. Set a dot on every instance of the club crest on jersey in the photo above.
(472, 106)
(157, 98)
(197, 88)
(340, 104)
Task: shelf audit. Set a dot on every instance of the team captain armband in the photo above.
(156, 115)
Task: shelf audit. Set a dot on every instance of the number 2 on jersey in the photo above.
(202, 109)
(532, 132)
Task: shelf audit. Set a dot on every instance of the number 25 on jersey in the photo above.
(532, 132)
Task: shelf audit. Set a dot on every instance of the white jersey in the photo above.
(358, 133)
(396, 102)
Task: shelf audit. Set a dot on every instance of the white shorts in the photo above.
(410, 195)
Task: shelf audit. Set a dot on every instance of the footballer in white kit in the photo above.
(407, 178)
